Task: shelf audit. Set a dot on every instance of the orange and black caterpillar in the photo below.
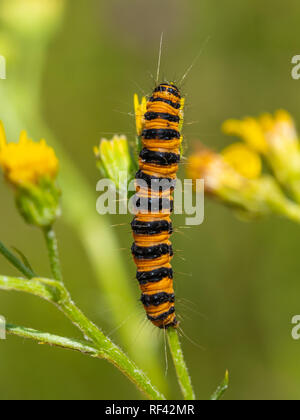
(158, 162)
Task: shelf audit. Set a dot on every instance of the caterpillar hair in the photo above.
(158, 166)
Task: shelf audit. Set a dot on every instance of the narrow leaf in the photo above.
(23, 258)
(221, 389)
(19, 265)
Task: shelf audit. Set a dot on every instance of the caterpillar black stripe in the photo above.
(155, 182)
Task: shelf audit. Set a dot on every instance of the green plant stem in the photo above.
(26, 271)
(34, 287)
(53, 340)
(52, 246)
(56, 293)
(180, 365)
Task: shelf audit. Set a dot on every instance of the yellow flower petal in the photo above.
(249, 130)
(140, 110)
(2, 136)
(284, 116)
(267, 122)
(243, 160)
(279, 130)
(216, 173)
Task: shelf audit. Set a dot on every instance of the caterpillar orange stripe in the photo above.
(158, 162)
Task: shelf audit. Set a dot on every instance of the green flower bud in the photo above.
(39, 204)
(115, 161)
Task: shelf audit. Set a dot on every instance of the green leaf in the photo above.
(221, 389)
(19, 265)
(23, 258)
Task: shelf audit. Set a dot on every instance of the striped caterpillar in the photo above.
(155, 183)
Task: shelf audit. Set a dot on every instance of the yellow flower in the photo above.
(215, 171)
(26, 162)
(244, 160)
(266, 133)
(284, 149)
(276, 138)
(140, 110)
(279, 130)
(250, 130)
(250, 197)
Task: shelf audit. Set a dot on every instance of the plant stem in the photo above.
(52, 246)
(56, 293)
(88, 349)
(53, 340)
(35, 287)
(180, 365)
(111, 352)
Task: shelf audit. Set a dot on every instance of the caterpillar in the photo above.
(154, 183)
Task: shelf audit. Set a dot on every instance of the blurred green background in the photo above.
(241, 284)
